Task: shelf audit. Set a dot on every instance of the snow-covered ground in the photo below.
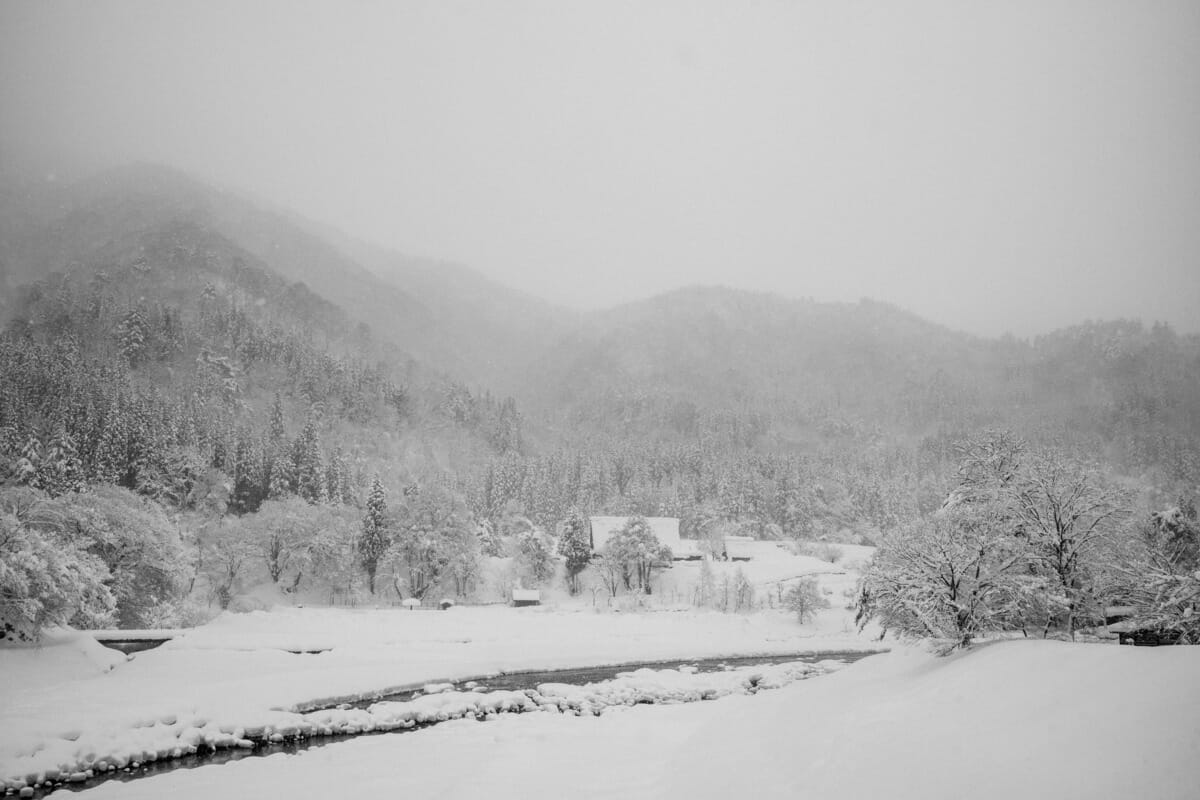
(1017, 719)
(1011, 719)
(69, 703)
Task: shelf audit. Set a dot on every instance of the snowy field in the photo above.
(1008, 720)
(69, 702)
(1011, 719)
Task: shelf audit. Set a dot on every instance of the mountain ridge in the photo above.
(785, 372)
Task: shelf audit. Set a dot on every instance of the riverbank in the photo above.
(1029, 719)
(65, 703)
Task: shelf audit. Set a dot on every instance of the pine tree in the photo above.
(337, 487)
(278, 432)
(29, 462)
(133, 334)
(279, 484)
(575, 545)
(373, 542)
(108, 464)
(309, 474)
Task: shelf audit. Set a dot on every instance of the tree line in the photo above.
(1034, 540)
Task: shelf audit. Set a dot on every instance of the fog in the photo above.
(992, 166)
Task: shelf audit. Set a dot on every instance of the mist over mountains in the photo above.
(484, 385)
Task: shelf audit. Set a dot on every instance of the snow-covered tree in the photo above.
(60, 470)
(954, 576)
(375, 538)
(709, 529)
(308, 469)
(490, 543)
(533, 556)
(433, 532)
(226, 550)
(804, 598)
(463, 567)
(1068, 514)
(638, 551)
(743, 591)
(282, 531)
(1159, 574)
(140, 547)
(46, 579)
(610, 569)
(133, 334)
(575, 545)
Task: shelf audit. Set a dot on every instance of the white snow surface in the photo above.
(62, 711)
(1013, 719)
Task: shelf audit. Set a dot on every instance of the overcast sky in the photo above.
(994, 166)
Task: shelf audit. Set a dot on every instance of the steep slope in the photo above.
(496, 333)
(51, 227)
(167, 350)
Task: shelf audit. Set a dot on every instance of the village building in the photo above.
(526, 597)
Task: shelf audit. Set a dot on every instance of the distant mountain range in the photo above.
(765, 371)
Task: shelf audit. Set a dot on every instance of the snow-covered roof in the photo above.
(741, 546)
(665, 529)
(527, 595)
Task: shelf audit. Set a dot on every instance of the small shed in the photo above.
(526, 597)
(1130, 633)
(665, 529)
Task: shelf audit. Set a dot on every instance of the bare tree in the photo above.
(611, 570)
(953, 577)
(1069, 514)
(1159, 573)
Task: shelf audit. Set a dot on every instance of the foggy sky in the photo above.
(1013, 166)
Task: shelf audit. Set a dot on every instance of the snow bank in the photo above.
(63, 655)
(78, 756)
(1009, 720)
(236, 674)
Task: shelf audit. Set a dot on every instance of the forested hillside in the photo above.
(50, 226)
(168, 351)
(237, 367)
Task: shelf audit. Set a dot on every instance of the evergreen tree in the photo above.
(60, 471)
(337, 479)
(309, 472)
(374, 541)
(279, 483)
(109, 462)
(277, 431)
(133, 335)
(574, 544)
